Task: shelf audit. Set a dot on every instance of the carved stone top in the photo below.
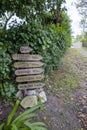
(25, 49)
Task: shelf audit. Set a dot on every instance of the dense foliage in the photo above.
(47, 32)
(23, 121)
(84, 40)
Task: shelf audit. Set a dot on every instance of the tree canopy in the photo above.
(31, 9)
(82, 8)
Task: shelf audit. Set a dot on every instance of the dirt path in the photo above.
(84, 52)
(66, 108)
(82, 95)
(78, 45)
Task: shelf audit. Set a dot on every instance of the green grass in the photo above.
(85, 48)
(70, 75)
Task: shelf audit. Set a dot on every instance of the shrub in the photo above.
(84, 42)
(22, 121)
(48, 40)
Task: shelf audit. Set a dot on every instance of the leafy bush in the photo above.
(22, 121)
(7, 88)
(48, 40)
(84, 40)
(84, 43)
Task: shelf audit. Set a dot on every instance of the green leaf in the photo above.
(1, 126)
(14, 127)
(10, 117)
(29, 125)
(26, 113)
(26, 128)
(39, 128)
(39, 124)
(21, 121)
(35, 126)
(1, 43)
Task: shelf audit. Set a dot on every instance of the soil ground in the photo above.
(66, 90)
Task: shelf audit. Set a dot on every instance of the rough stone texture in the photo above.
(31, 92)
(19, 95)
(40, 90)
(29, 101)
(42, 97)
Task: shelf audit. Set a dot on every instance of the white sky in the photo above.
(74, 16)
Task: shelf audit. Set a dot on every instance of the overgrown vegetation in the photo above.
(44, 26)
(84, 40)
(23, 121)
(70, 76)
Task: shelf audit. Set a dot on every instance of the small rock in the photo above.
(19, 95)
(39, 90)
(81, 129)
(85, 109)
(42, 97)
(57, 95)
(72, 99)
(45, 118)
(84, 97)
(31, 92)
(50, 86)
(29, 101)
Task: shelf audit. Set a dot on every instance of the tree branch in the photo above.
(7, 19)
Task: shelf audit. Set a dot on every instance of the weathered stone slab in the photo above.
(31, 92)
(28, 71)
(19, 94)
(28, 64)
(30, 86)
(25, 49)
(42, 97)
(29, 101)
(29, 78)
(26, 57)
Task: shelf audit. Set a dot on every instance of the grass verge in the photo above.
(70, 75)
(85, 48)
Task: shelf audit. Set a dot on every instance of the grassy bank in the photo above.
(71, 74)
